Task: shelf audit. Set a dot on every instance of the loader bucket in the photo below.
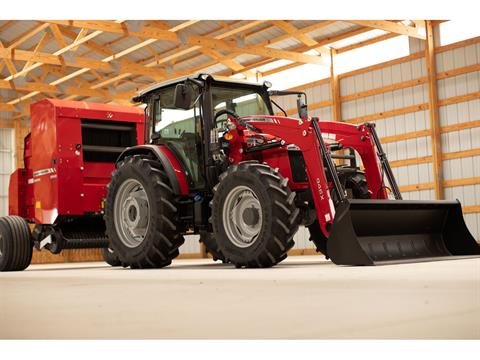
(374, 232)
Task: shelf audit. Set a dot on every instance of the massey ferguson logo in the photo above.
(109, 115)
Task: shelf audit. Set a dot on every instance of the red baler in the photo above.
(68, 159)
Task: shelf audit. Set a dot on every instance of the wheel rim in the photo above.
(242, 216)
(131, 213)
(1, 245)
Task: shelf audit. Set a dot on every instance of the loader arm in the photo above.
(302, 134)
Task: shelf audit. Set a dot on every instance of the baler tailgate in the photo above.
(373, 232)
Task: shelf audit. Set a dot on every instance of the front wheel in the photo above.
(254, 216)
(141, 218)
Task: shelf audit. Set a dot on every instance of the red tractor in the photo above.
(69, 156)
(221, 164)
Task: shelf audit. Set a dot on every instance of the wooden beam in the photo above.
(460, 126)
(81, 34)
(179, 52)
(387, 114)
(8, 62)
(41, 43)
(57, 53)
(471, 209)
(416, 187)
(292, 30)
(335, 89)
(462, 182)
(406, 136)
(196, 40)
(460, 154)
(461, 98)
(391, 27)
(119, 28)
(58, 35)
(77, 62)
(393, 87)
(433, 111)
(256, 50)
(52, 89)
(366, 42)
(323, 42)
(173, 54)
(26, 35)
(411, 161)
(458, 71)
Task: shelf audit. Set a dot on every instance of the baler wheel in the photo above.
(143, 226)
(254, 217)
(15, 244)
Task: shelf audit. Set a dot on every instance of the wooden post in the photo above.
(433, 111)
(335, 89)
(335, 95)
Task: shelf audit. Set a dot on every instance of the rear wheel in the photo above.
(254, 216)
(15, 244)
(357, 184)
(140, 215)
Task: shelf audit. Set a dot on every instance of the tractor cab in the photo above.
(185, 114)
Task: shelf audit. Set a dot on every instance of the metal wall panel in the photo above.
(456, 58)
(473, 223)
(408, 70)
(6, 166)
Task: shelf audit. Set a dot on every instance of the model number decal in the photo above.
(43, 172)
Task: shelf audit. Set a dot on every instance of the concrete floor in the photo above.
(302, 298)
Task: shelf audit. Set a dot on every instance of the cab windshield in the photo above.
(242, 101)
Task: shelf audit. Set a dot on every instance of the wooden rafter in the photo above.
(391, 26)
(26, 35)
(8, 62)
(41, 43)
(160, 34)
(254, 64)
(77, 62)
(292, 30)
(170, 55)
(81, 34)
(93, 64)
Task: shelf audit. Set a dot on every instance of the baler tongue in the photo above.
(373, 232)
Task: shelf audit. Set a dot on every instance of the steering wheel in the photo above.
(227, 112)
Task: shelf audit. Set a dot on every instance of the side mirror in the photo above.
(302, 108)
(183, 96)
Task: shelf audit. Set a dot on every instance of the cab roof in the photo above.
(198, 76)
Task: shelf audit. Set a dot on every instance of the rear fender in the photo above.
(171, 165)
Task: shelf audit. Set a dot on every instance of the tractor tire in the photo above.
(254, 217)
(110, 257)
(358, 184)
(212, 247)
(16, 244)
(141, 217)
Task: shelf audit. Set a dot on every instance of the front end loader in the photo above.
(222, 164)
